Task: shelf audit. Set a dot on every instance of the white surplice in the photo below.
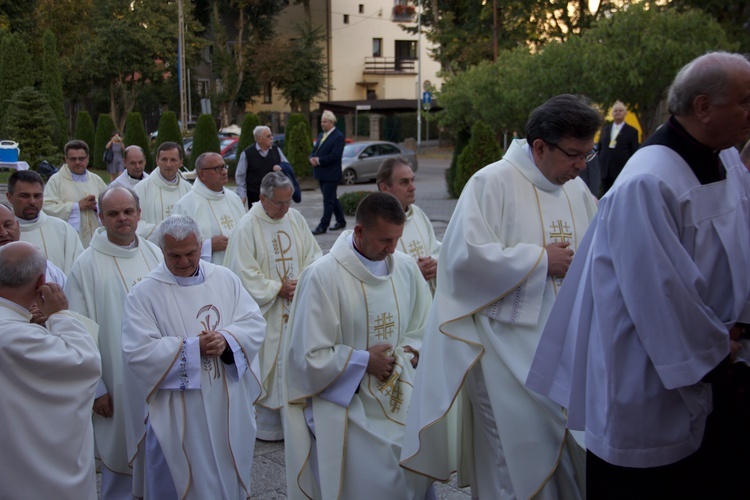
(265, 252)
(61, 197)
(158, 197)
(646, 309)
(491, 303)
(55, 237)
(418, 239)
(97, 286)
(126, 181)
(200, 409)
(48, 377)
(339, 311)
(217, 213)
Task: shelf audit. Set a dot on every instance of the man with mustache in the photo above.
(99, 282)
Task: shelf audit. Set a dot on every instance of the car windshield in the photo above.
(352, 150)
(226, 142)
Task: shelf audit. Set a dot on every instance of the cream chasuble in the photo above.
(158, 197)
(215, 213)
(418, 239)
(97, 286)
(61, 193)
(205, 423)
(55, 237)
(48, 377)
(492, 301)
(339, 308)
(264, 252)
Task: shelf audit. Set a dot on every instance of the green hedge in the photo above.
(482, 150)
(84, 131)
(104, 128)
(205, 138)
(350, 201)
(135, 135)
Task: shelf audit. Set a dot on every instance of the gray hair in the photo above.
(178, 227)
(385, 171)
(705, 75)
(273, 181)
(17, 272)
(124, 188)
(259, 129)
(201, 160)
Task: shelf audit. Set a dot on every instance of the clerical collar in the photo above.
(702, 160)
(376, 267)
(79, 177)
(195, 279)
(176, 178)
(25, 222)
(141, 177)
(133, 244)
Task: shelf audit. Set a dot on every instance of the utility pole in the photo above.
(181, 65)
(419, 74)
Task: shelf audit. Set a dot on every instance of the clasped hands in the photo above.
(212, 343)
(382, 360)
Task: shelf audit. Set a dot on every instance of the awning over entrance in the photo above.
(379, 106)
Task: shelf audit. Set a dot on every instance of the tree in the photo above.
(105, 126)
(205, 138)
(298, 148)
(233, 59)
(15, 71)
(247, 138)
(135, 135)
(52, 84)
(294, 119)
(300, 70)
(482, 150)
(31, 122)
(169, 129)
(84, 131)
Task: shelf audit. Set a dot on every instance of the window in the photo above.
(387, 149)
(346, 18)
(206, 53)
(267, 94)
(361, 8)
(377, 47)
(219, 86)
(406, 49)
(204, 87)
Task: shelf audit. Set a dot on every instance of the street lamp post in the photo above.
(419, 73)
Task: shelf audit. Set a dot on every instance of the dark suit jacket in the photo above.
(329, 153)
(612, 160)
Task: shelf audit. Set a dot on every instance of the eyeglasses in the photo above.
(279, 204)
(77, 159)
(587, 157)
(218, 169)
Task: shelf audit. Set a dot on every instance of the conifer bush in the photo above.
(105, 125)
(205, 138)
(135, 135)
(298, 145)
(31, 123)
(481, 150)
(169, 129)
(84, 131)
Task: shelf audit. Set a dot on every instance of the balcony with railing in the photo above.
(390, 66)
(403, 13)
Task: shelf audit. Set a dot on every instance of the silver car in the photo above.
(361, 160)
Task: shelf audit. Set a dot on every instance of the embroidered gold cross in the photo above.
(169, 210)
(286, 263)
(226, 221)
(392, 389)
(416, 249)
(560, 231)
(384, 326)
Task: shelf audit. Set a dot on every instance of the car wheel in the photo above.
(350, 176)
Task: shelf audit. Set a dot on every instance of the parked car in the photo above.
(227, 145)
(361, 160)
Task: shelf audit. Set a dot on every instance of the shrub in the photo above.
(249, 122)
(84, 131)
(292, 122)
(104, 128)
(482, 150)
(31, 122)
(350, 201)
(15, 71)
(135, 135)
(298, 148)
(52, 84)
(205, 138)
(169, 129)
(462, 139)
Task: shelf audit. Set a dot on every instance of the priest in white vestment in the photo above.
(100, 281)
(216, 210)
(162, 189)
(395, 176)
(55, 237)
(350, 359)
(270, 248)
(48, 374)
(640, 342)
(71, 193)
(190, 338)
(507, 248)
(135, 165)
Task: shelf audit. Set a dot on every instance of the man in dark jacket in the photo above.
(326, 162)
(255, 162)
(617, 143)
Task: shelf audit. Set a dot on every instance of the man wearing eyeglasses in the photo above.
(216, 210)
(503, 259)
(270, 248)
(71, 194)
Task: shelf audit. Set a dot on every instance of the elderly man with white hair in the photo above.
(255, 162)
(135, 166)
(190, 339)
(326, 162)
(270, 248)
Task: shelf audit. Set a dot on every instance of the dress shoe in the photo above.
(319, 230)
(339, 225)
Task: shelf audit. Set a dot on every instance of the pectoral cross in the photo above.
(227, 222)
(416, 249)
(560, 231)
(282, 245)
